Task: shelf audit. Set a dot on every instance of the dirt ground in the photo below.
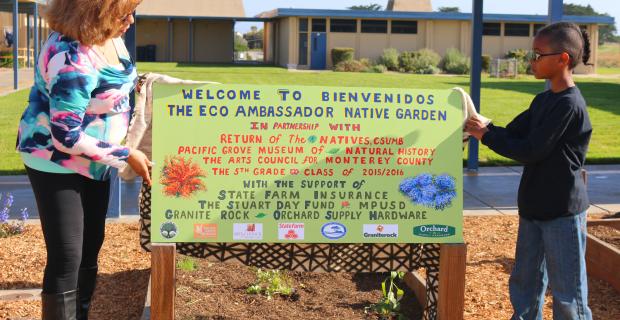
(220, 293)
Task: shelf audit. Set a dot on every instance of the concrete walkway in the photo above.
(26, 76)
(491, 191)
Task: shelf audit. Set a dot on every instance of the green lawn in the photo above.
(605, 70)
(502, 100)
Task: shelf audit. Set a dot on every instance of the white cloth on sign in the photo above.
(139, 134)
(469, 111)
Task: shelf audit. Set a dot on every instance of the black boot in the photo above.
(59, 306)
(87, 278)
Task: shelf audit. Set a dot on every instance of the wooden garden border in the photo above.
(450, 303)
(603, 259)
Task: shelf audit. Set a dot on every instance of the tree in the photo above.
(449, 9)
(254, 38)
(370, 7)
(240, 43)
(606, 32)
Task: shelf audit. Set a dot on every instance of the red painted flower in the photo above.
(345, 204)
(294, 171)
(181, 178)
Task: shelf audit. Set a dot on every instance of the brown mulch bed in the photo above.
(317, 295)
(607, 234)
(124, 277)
(123, 273)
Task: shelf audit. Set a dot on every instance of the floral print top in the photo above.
(78, 110)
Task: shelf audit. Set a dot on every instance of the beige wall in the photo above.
(285, 39)
(446, 35)
(180, 40)
(6, 20)
(153, 32)
(192, 8)
(213, 41)
(437, 35)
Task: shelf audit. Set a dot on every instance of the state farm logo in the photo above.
(290, 231)
(248, 231)
(380, 231)
(205, 231)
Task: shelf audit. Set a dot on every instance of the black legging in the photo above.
(72, 209)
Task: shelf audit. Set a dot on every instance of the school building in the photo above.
(203, 31)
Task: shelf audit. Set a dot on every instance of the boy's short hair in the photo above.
(87, 21)
(568, 37)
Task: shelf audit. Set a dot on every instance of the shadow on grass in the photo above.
(599, 95)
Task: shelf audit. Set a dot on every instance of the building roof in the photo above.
(488, 17)
(191, 8)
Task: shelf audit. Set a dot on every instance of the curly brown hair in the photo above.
(87, 21)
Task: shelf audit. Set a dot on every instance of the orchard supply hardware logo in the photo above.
(380, 231)
(205, 231)
(434, 231)
(168, 230)
(248, 231)
(333, 230)
(290, 231)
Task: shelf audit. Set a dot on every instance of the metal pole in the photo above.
(15, 45)
(474, 82)
(35, 37)
(169, 39)
(27, 40)
(556, 10)
(130, 39)
(191, 40)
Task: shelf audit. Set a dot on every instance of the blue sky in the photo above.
(253, 7)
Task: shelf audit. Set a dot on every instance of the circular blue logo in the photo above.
(333, 230)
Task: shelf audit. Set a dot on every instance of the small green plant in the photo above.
(271, 283)
(389, 59)
(389, 306)
(342, 54)
(350, 66)
(187, 264)
(454, 62)
(423, 61)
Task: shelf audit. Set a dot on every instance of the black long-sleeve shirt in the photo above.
(551, 139)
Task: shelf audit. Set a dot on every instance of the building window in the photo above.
(538, 26)
(303, 25)
(491, 29)
(303, 41)
(343, 25)
(319, 25)
(374, 26)
(517, 29)
(404, 27)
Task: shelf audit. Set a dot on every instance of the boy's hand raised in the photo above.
(476, 127)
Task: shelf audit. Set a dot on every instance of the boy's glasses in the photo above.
(534, 56)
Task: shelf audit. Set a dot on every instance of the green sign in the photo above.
(248, 163)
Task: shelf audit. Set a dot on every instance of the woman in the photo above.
(69, 138)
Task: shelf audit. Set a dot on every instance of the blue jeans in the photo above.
(550, 252)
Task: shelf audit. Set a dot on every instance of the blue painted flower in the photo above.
(430, 191)
(445, 182)
(4, 215)
(407, 185)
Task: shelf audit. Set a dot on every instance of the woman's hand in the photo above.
(476, 127)
(140, 164)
